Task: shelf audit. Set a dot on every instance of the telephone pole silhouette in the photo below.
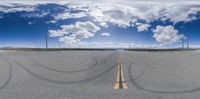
(185, 43)
(182, 42)
(46, 40)
(188, 44)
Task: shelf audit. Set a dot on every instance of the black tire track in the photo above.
(64, 71)
(92, 57)
(9, 77)
(139, 76)
(134, 83)
(65, 82)
(94, 64)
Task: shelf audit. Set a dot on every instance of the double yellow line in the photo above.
(120, 82)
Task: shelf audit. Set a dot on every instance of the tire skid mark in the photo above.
(63, 56)
(56, 70)
(139, 76)
(64, 82)
(9, 77)
(94, 64)
(134, 83)
(92, 57)
(104, 59)
(64, 71)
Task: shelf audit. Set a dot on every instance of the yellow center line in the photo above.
(120, 82)
(116, 86)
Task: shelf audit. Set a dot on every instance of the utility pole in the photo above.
(46, 40)
(187, 43)
(182, 42)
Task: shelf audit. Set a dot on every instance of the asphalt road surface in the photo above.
(99, 75)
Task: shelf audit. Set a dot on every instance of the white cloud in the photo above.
(105, 34)
(56, 33)
(103, 24)
(125, 13)
(80, 26)
(72, 34)
(8, 8)
(96, 44)
(84, 34)
(69, 40)
(68, 15)
(117, 12)
(110, 13)
(31, 2)
(143, 27)
(30, 15)
(167, 35)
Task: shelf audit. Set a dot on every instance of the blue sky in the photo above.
(99, 24)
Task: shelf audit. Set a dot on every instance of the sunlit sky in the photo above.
(99, 23)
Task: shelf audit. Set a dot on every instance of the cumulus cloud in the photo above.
(73, 33)
(80, 26)
(131, 13)
(105, 34)
(69, 40)
(68, 15)
(35, 14)
(84, 34)
(103, 24)
(123, 14)
(167, 35)
(8, 8)
(31, 2)
(56, 33)
(143, 27)
(110, 14)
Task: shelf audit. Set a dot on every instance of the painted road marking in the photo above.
(118, 79)
(120, 82)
